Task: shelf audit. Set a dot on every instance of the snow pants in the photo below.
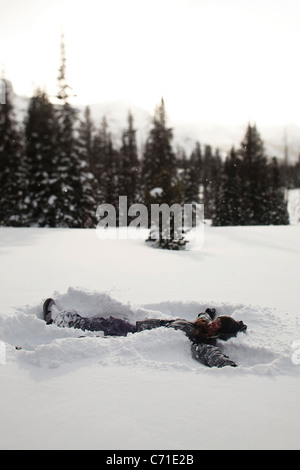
(109, 326)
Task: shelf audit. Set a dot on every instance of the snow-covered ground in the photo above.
(145, 391)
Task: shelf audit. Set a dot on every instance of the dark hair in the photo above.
(231, 326)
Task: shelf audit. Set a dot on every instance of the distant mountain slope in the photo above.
(221, 136)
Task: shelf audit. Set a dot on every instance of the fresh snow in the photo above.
(145, 391)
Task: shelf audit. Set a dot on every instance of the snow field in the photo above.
(145, 391)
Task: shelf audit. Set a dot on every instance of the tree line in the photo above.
(58, 167)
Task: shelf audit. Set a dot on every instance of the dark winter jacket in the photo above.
(205, 351)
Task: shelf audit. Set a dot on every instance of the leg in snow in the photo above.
(109, 326)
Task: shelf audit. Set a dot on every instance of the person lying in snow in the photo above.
(203, 333)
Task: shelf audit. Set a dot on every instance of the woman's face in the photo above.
(215, 326)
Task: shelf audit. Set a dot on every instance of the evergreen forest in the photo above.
(58, 166)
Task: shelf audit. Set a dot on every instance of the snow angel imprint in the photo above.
(204, 333)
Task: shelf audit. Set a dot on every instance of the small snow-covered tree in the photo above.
(159, 166)
(159, 175)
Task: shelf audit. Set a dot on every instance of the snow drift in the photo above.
(261, 351)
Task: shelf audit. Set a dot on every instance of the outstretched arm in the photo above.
(211, 356)
(151, 324)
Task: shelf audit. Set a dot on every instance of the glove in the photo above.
(211, 312)
(227, 362)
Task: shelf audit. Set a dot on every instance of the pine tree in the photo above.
(13, 184)
(277, 210)
(228, 204)
(68, 176)
(215, 185)
(251, 190)
(254, 173)
(211, 180)
(193, 176)
(75, 205)
(41, 159)
(91, 193)
(129, 164)
(86, 132)
(160, 180)
(296, 172)
(105, 164)
(159, 168)
(191, 179)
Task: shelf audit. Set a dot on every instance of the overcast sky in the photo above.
(228, 61)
